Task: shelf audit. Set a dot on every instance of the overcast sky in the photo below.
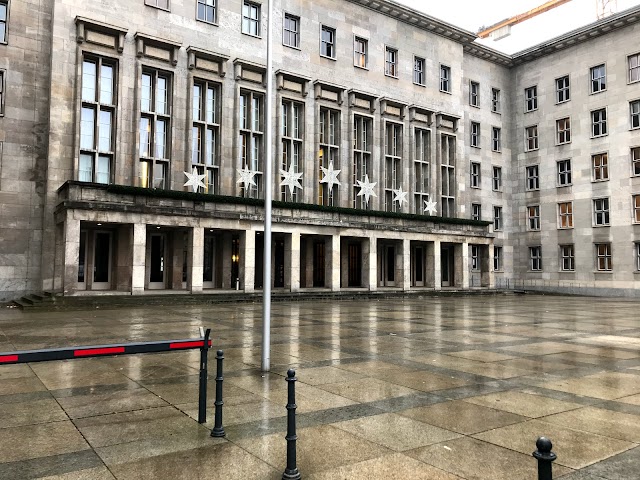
(472, 14)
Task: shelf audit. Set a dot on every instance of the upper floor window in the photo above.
(391, 62)
(599, 122)
(533, 217)
(636, 208)
(97, 120)
(533, 177)
(362, 151)
(164, 4)
(564, 172)
(496, 141)
(2, 88)
(634, 67)
(495, 100)
(392, 165)
(600, 167)
(497, 218)
(418, 70)
(475, 258)
(563, 130)
(445, 79)
(531, 99)
(448, 185)
(207, 11)
(598, 78)
(563, 93)
(292, 145)
(475, 134)
(637, 255)
(421, 162)
(475, 175)
(497, 179)
(635, 161)
(328, 42)
(291, 31)
(497, 258)
(474, 94)
(601, 212)
(4, 7)
(251, 18)
(206, 134)
(565, 215)
(360, 52)
(329, 155)
(634, 108)
(251, 140)
(476, 211)
(531, 138)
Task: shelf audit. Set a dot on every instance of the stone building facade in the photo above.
(405, 106)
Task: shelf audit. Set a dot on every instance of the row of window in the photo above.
(496, 176)
(597, 83)
(603, 257)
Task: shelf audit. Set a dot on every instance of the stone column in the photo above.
(196, 260)
(292, 252)
(344, 260)
(370, 263)
(139, 255)
(333, 254)
(406, 264)
(71, 254)
(465, 265)
(437, 267)
(247, 261)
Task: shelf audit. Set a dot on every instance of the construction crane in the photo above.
(502, 29)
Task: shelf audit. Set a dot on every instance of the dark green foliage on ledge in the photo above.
(229, 200)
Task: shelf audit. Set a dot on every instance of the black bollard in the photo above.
(202, 395)
(545, 458)
(291, 472)
(218, 430)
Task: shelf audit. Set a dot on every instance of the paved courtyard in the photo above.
(421, 388)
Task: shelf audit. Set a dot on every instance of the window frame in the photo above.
(391, 62)
(562, 89)
(635, 160)
(533, 100)
(496, 140)
(393, 163)
(565, 215)
(475, 172)
(604, 212)
(474, 134)
(5, 40)
(154, 4)
(476, 211)
(529, 178)
(634, 115)
(330, 125)
(606, 255)
(563, 136)
(364, 54)
(333, 32)
(495, 101)
(635, 208)
(474, 258)
(497, 218)
(474, 98)
(498, 264)
(211, 169)
(422, 61)
(296, 33)
(601, 167)
(528, 139)
(601, 122)
(257, 21)
(250, 132)
(3, 89)
(567, 254)
(215, 12)
(629, 68)
(535, 258)
(422, 162)
(446, 81)
(637, 255)
(533, 218)
(567, 173)
(496, 178)
(591, 79)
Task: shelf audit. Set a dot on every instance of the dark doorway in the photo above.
(156, 272)
(355, 265)
(318, 264)
(278, 280)
(102, 257)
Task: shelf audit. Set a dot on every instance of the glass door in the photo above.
(417, 266)
(102, 261)
(157, 261)
(446, 264)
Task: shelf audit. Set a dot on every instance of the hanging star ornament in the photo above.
(330, 176)
(366, 189)
(246, 177)
(291, 179)
(195, 180)
(400, 196)
(430, 206)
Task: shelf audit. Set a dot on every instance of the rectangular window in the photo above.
(292, 129)
(495, 100)
(474, 94)
(601, 212)
(328, 42)
(251, 18)
(291, 31)
(207, 11)
(635, 161)
(531, 138)
(497, 179)
(392, 165)
(475, 258)
(497, 219)
(600, 167)
(535, 258)
(155, 129)
(206, 134)
(418, 70)
(565, 215)
(97, 119)
(533, 177)
(634, 67)
(563, 131)
(164, 4)
(599, 122)
(634, 108)
(564, 172)
(636, 208)
(475, 175)
(598, 79)
(2, 89)
(329, 155)
(360, 48)
(497, 258)
(475, 134)
(362, 148)
(637, 252)
(448, 175)
(476, 211)
(533, 217)
(445, 79)
(251, 140)
(567, 258)
(496, 140)
(391, 62)
(4, 15)
(421, 162)
(530, 99)
(603, 257)
(562, 89)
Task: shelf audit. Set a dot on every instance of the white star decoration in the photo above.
(430, 206)
(330, 176)
(400, 196)
(291, 179)
(194, 180)
(366, 189)
(246, 178)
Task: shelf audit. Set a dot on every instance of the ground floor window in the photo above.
(603, 257)
(497, 258)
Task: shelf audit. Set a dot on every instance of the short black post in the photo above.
(545, 458)
(218, 430)
(202, 396)
(291, 472)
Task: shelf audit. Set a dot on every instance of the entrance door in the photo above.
(82, 262)
(102, 261)
(278, 280)
(318, 264)
(208, 275)
(355, 265)
(157, 264)
(417, 266)
(446, 266)
(387, 277)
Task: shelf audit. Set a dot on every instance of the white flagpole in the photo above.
(267, 185)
